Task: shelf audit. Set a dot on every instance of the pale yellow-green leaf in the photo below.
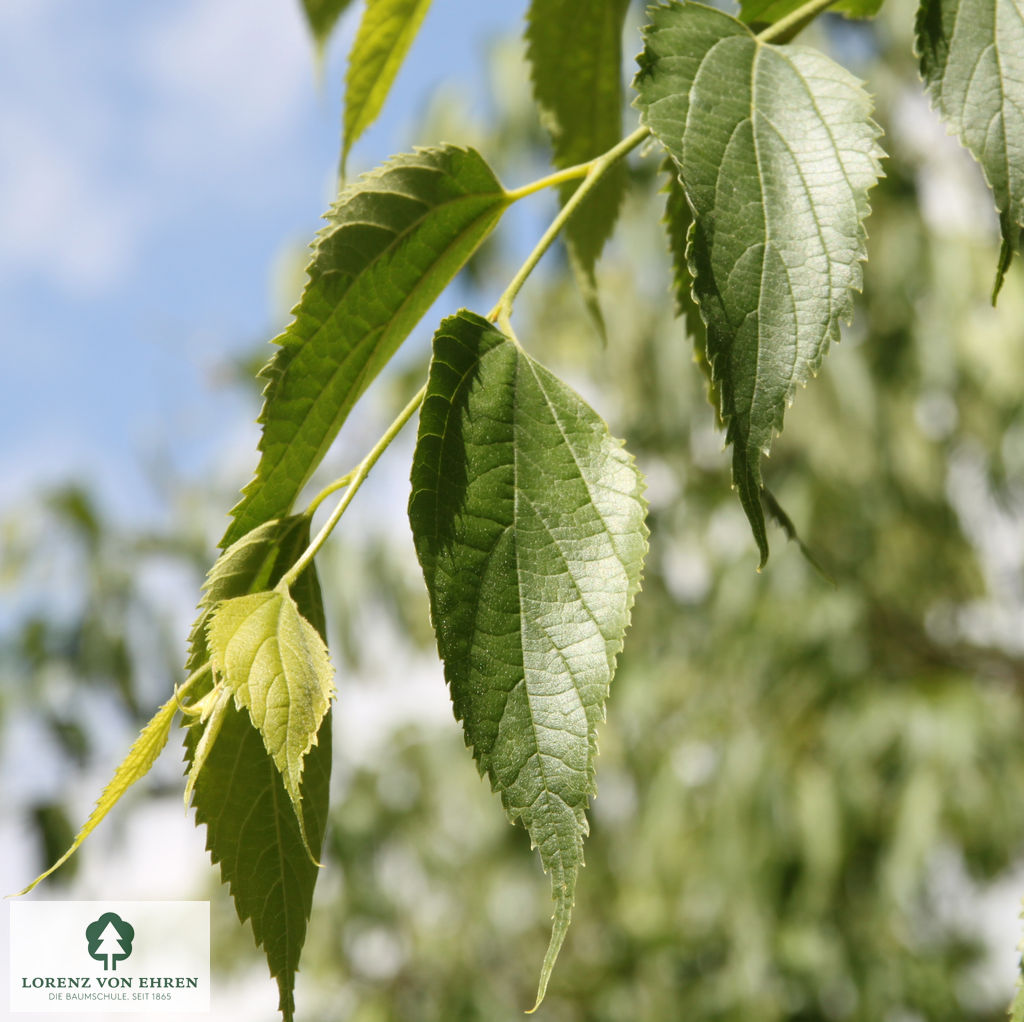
(211, 710)
(277, 667)
(384, 37)
(136, 764)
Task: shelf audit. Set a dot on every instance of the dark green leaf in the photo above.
(384, 37)
(972, 60)
(251, 829)
(393, 242)
(576, 68)
(776, 150)
(529, 524)
(678, 222)
(322, 16)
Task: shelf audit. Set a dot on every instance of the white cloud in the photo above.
(64, 219)
(60, 217)
(108, 129)
(228, 81)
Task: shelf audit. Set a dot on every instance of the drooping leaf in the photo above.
(529, 524)
(767, 12)
(776, 151)
(393, 242)
(678, 221)
(251, 827)
(576, 69)
(322, 16)
(251, 830)
(385, 34)
(136, 764)
(972, 60)
(277, 666)
(777, 514)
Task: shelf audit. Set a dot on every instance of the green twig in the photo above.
(330, 488)
(558, 178)
(795, 20)
(593, 172)
(180, 690)
(356, 479)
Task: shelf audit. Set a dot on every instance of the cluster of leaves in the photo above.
(528, 516)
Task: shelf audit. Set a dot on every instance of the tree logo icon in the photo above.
(110, 940)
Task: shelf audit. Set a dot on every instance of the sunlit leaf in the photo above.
(393, 242)
(776, 151)
(529, 524)
(385, 34)
(136, 764)
(276, 665)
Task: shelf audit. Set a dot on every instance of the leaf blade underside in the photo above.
(251, 828)
(393, 242)
(776, 151)
(529, 525)
(972, 61)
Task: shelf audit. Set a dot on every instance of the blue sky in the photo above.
(157, 163)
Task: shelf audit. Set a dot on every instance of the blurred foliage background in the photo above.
(809, 791)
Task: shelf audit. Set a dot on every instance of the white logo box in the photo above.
(82, 957)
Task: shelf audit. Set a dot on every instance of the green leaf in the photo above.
(252, 832)
(972, 60)
(251, 564)
(322, 16)
(136, 764)
(385, 34)
(678, 221)
(393, 242)
(767, 12)
(776, 151)
(576, 69)
(277, 666)
(251, 827)
(529, 524)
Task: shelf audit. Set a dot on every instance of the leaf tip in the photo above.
(1005, 258)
